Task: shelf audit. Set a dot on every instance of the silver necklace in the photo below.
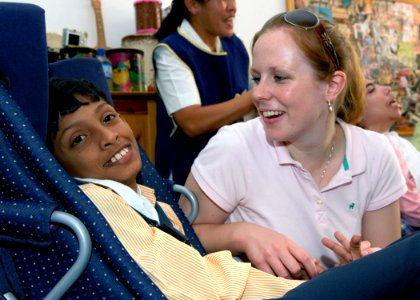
(330, 155)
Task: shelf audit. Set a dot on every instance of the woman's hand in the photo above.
(349, 250)
(274, 253)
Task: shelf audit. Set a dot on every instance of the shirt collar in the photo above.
(355, 148)
(355, 153)
(135, 200)
(188, 31)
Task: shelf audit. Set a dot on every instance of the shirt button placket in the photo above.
(321, 213)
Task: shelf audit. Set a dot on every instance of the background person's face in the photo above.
(381, 105)
(94, 142)
(215, 17)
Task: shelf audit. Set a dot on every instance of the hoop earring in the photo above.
(330, 105)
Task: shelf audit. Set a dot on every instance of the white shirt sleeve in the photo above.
(175, 81)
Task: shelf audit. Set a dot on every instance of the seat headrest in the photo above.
(24, 59)
(81, 68)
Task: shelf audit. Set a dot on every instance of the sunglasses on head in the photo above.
(307, 20)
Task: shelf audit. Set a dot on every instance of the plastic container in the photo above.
(106, 66)
(127, 69)
(146, 43)
(148, 16)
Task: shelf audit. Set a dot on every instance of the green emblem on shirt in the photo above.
(352, 205)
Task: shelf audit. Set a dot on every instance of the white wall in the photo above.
(252, 14)
(119, 17)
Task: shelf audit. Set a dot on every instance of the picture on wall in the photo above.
(386, 36)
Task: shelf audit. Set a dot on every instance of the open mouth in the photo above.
(272, 114)
(117, 157)
(229, 21)
(394, 103)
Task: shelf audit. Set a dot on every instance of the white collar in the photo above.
(189, 31)
(135, 200)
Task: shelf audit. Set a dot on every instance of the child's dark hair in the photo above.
(62, 101)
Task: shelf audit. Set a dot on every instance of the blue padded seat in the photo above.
(23, 58)
(33, 184)
(32, 176)
(91, 69)
(81, 68)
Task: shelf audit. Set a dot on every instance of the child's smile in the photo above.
(95, 142)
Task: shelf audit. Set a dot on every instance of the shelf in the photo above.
(133, 96)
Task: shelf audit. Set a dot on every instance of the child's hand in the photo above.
(347, 250)
(319, 269)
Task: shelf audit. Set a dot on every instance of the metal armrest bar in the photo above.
(9, 296)
(191, 197)
(85, 249)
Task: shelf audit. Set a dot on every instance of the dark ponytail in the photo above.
(174, 18)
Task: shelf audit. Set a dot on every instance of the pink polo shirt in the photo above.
(259, 182)
(410, 201)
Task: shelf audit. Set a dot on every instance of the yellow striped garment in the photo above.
(177, 269)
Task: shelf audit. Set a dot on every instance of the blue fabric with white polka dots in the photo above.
(33, 184)
(91, 69)
(31, 177)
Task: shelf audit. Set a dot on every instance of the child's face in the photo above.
(95, 142)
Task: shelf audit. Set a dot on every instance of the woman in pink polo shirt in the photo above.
(277, 188)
